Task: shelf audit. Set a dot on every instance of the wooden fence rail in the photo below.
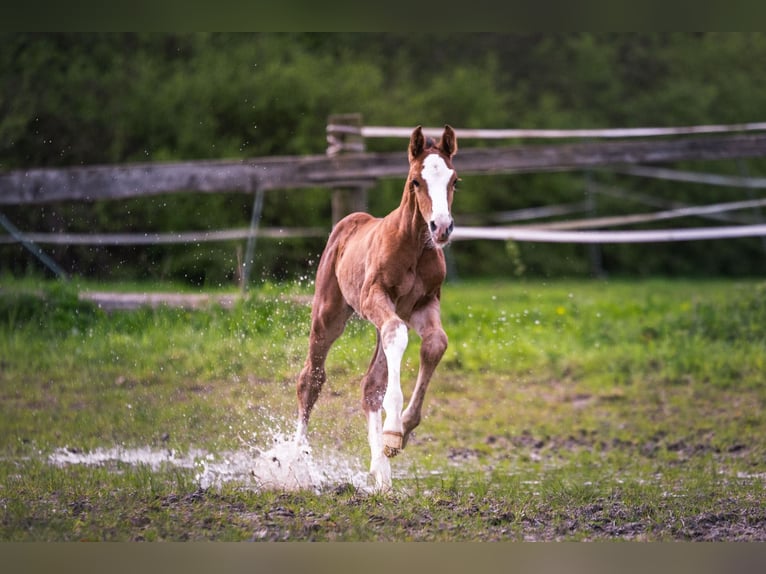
(487, 134)
(93, 183)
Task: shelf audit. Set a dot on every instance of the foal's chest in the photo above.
(418, 282)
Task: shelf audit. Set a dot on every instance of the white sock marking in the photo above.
(380, 467)
(394, 346)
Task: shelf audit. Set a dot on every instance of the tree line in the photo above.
(82, 99)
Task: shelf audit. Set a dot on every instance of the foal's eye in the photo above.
(415, 183)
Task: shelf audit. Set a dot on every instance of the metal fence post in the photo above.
(32, 247)
(255, 222)
(594, 249)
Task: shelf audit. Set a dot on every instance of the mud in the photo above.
(295, 494)
(291, 517)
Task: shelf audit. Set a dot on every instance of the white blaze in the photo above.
(437, 175)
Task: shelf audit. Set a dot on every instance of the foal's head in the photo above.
(432, 179)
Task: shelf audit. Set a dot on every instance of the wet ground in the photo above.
(344, 490)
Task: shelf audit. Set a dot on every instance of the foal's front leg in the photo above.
(378, 308)
(427, 323)
(382, 388)
(394, 339)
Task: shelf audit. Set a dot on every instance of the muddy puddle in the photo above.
(283, 466)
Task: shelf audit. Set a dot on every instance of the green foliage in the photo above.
(74, 99)
(54, 310)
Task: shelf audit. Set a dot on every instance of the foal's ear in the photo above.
(448, 143)
(417, 143)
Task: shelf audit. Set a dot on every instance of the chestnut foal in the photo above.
(390, 272)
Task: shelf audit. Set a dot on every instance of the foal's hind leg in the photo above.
(373, 391)
(329, 314)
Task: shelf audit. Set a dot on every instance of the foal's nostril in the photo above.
(432, 225)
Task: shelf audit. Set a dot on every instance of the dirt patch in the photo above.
(110, 301)
(128, 301)
(292, 517)
(650, 447)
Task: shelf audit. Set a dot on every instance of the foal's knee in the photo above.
(373, 389)
(433, 346)
(310, 382)
(394, 336)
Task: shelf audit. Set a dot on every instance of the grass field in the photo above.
(564, 410)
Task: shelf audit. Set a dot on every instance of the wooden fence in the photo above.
(93, 183)
(349, 170)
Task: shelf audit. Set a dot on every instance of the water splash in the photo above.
(153, 458)
(285, 466)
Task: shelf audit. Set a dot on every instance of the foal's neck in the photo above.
(409, 225)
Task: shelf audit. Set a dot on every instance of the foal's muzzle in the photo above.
(441, 228)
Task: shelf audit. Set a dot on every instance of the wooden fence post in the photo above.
(344, 135)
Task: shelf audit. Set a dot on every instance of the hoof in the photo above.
(380, 472)
(392, 443)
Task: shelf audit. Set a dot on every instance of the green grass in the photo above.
(565, 410)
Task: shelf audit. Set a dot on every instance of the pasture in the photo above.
(562, 410)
